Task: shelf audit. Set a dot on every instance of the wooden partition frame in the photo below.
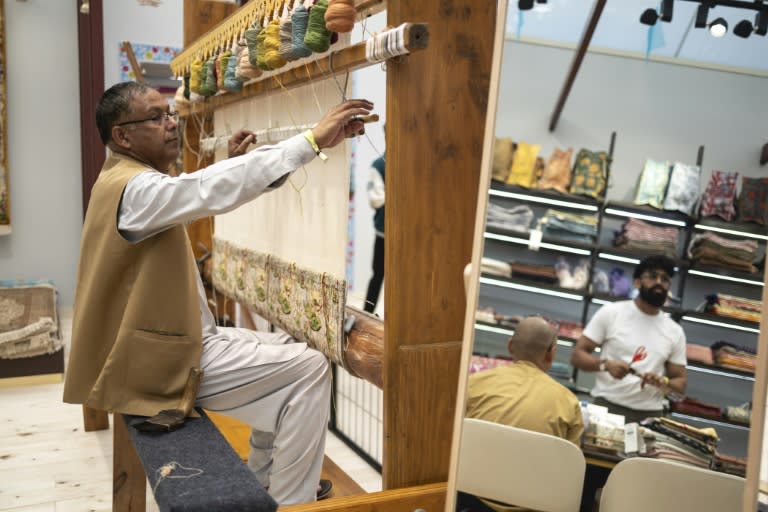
(436, 110)
(755, 449)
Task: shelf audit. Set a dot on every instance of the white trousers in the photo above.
(286, 403)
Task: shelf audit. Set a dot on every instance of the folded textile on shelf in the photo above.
(734, 356)
(734, 307)
(730, 464)
(495, 267)
(515, 218)
(486, 314)
(28, 320)
(699, 354)
(541, 273)
(696, 407)
(481, 363)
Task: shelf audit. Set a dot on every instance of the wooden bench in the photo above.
(190, 469)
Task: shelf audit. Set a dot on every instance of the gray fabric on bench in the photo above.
(225, 483)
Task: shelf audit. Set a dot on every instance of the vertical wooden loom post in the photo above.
(436, 107)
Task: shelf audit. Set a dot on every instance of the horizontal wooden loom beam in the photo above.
(347, 59)
(232, 27)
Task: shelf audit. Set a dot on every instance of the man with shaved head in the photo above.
(522, 394)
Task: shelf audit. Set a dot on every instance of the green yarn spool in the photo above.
(318, 37)
(186, 87)
(251, 39)
(208, 82)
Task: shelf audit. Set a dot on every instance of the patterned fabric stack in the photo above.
(570, 226)
(710, 249)
(730, 464)
(29, 324)
(699, 354)
(495, 267)
(672, 440)
(734, 307)
(733, 356)
(516, 218)
(539, 273)
(481, 363)
(641, 236)
(696, 408)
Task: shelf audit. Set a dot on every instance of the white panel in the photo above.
(305, 220)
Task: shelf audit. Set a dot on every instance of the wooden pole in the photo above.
(436, 107)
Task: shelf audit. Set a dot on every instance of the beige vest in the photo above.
(136, 330)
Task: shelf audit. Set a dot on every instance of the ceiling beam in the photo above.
(586, 37)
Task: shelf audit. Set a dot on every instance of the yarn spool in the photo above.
(221, 68)
(272, 56)
(286, 33)
(318, 37)
(340, 16)
(196, 75)
(208, 83)
(186, 86)
(261, 49)
(231, 82)
(245, 70)
(299, 22)
(251, 39)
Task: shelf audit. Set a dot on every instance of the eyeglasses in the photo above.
(654, 276)
(158, 119)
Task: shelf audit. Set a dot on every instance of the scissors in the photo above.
(639, 355)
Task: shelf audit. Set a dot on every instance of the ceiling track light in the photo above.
(718, 28)
(702, 13)
(666, 10)
(525, 5)
(649, 17)
(761, 22)
(743, 29)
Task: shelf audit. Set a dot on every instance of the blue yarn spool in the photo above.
(299, 20)
(231, 83)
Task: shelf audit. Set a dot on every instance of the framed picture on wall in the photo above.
(5, 214)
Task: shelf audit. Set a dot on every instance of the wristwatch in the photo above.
(602, 365)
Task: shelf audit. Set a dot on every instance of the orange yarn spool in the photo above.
(340, 16)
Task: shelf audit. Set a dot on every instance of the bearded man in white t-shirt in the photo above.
(636, 330)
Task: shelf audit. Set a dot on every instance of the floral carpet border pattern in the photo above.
(307, 304)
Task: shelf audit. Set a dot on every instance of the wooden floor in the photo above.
(49, 464)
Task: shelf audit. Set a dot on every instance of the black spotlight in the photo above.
(718, 28)
(648, 17)
(743, 29)
(702, 12)
(666, 10)
(525, 5)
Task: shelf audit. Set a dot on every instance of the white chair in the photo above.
(520, 467)
(641, 484)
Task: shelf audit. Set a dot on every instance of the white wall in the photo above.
(127, 20)
(43, 143)
(44, 126)
(659, 111)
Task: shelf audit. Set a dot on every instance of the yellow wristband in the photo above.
(311, 139)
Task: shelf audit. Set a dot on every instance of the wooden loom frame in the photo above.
(435, 140)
